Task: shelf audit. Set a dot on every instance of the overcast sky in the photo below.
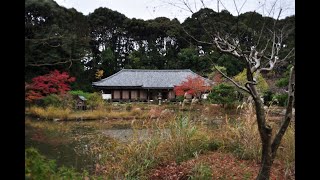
(150, 9)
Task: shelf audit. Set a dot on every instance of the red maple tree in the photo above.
(194, 85)
(52, 83)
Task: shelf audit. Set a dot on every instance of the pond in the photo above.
(125, 135)
(70, 143)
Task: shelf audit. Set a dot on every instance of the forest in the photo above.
(57, 38)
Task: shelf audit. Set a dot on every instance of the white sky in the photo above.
(150, 9)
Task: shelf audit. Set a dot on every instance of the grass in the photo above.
(182, 140)
(51, 113)
(201, 171)
(134, 159)
(241, 137)
(185, 138)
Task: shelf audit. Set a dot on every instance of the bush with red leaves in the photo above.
(52, 83)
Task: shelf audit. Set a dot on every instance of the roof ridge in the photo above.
(206, 79)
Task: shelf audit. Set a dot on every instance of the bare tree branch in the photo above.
(218, 6)
(288, 55)
(238, 11)
(203, 42)
(52, 45)
(187, 5)
(203, 5)
(288, 115)
(52, 64)
(230, 51)
(234, 2)
(233, 82)
(272, 63)
(219, 1)
(175, 5)
(242, 5)
(264, 23)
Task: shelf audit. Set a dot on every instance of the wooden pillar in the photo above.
(138, 95)
(129, 94)
(112, 94)
(120, 93)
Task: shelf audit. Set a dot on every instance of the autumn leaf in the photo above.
(52, 83)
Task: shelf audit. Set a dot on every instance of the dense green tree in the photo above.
(192, 58)
(107, 31)
(224, 94)
(55, 38)
(233, 66)
(108, 62)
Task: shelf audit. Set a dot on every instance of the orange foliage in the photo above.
(192, 85)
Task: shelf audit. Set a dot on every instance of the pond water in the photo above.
(63, 152)
(72, 149)
(125, 135)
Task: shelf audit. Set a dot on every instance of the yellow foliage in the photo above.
(262, 85)
(99, 74)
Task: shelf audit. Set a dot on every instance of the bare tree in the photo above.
(263, 54)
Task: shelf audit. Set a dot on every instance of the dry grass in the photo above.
(185, 139)
(182, 141)
(50, 113)
(241, 137)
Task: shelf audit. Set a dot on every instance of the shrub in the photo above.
(267, 97)
(52, 83)
(38, 167)
(67, 101)
(180, 98)
(55, 100)
(283, 82)
(52, 100)
(223, 94)
(95, 101)
(281, 99)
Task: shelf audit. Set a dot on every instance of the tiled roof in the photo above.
(147, 78)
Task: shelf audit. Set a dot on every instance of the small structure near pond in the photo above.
(81, 103)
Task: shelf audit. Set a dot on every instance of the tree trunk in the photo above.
(269, 148)
(265, 169)
(265, 135)
(265, 131)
